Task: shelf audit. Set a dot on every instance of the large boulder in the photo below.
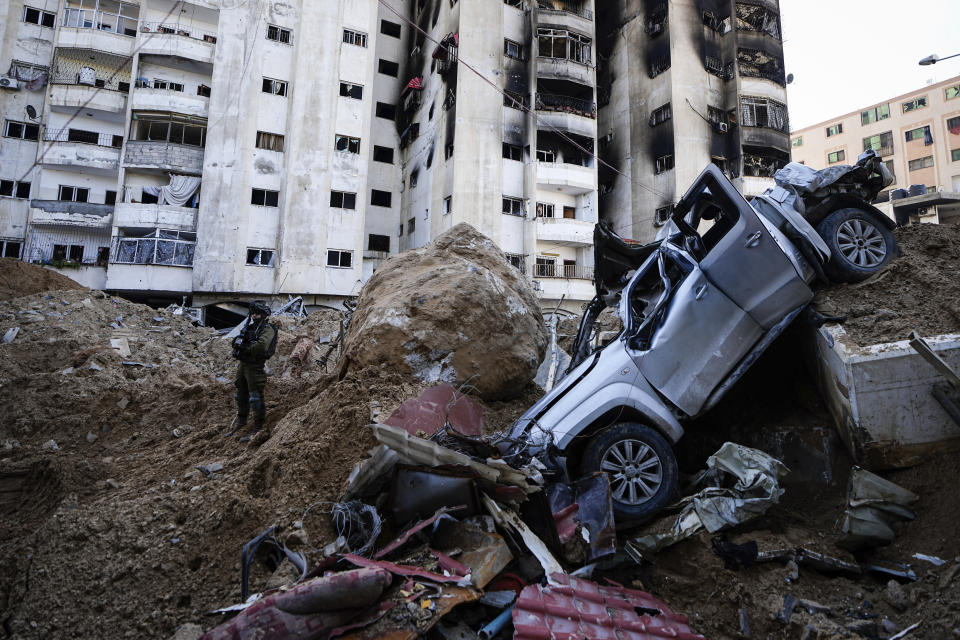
(452, 311)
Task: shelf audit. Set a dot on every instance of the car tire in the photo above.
(860, 245)
(641, 465)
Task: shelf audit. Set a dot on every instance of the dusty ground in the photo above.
(117, 534)
(18, 278)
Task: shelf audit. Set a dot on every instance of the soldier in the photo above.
(255, 344)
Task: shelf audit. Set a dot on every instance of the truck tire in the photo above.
(641, 465)
(860, 245)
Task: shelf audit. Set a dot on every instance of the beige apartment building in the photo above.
(918, 136)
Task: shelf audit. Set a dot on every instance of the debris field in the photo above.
(127, 514)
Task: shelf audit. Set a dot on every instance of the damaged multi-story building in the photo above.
(228, 151)
(681, 85)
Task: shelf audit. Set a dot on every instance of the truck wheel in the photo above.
(859, 245)
(641, 466)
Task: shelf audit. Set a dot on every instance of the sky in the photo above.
(849, 54)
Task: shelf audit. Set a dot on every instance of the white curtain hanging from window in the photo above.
(178, 192)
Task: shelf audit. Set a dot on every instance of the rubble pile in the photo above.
(19, 278)
(452, 311)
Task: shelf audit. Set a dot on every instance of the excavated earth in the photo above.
(110, 529)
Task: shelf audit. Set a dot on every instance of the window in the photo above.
(953, 125)
(377, 242)
(73, 194)
(512, 152)
(269, 141)
(103, 256)
(278, 34)
(203, 90)
(561, 44)
(448, 151)
(447, 205)
(663, 163)
(920, 163)
(797, 142)
(513, 50)
(917, 134)
(882, 143)
(343, 200)
(835, 129)
(110, 197)
(918, 103)
(546, 155)
(661, 215)
(14, 189)
(348, 90)
(279, 87)
(339, 258)
(386, 111)
(763, 112)
(170, 128)
(260, 257)
(354, 38)
(265, 198)
(544, 210)
(388, 68)
(391, 29)
(11, 248)
(517, 261)
(515, 100)
(347, 143)
(411, 226)
(414, 178)
(22, 130)
(400, 232)
(76, 253)
(513, 206)
(873, 115)
(545, 267)
(382, 154)
(836, 156)
(166, 84)
(156, 246)
(951, 92)
(36, 16)
(658, 65)
(380, 198)
(660, 114)
(954, 155)
(514, 3)
(59, 252)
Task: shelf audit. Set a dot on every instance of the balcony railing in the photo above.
(187, 31)
(100, 20)
(558, 6)
(567, 104)
(166, 249)
(84, 137)
(565, 271)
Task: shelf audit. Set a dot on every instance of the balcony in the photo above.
(553, 282)
(150, 99)
(162, 216)
(63, 213)
(566, 232)
(94, 152)
(70, 97)
(164, 156)
(160, 260)
(567, 114)
(564, 69)
(572, 179)
(182, 41)
(98, 30)
(568, 15)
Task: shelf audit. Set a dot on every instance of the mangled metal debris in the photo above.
(873, 505)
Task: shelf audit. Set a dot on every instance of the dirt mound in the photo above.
(919, 290)
(453, 311)
(18, 278)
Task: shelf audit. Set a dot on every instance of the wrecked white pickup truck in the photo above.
(698, 309)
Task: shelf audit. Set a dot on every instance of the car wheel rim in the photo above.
(861, 243)
(635, 471)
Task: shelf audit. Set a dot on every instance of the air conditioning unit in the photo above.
(723, 127)
(6, 82)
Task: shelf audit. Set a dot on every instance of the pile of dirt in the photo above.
(452, 311)
(918, 291)
(18, 278)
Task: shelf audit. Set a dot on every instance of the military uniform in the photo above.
(251, 378)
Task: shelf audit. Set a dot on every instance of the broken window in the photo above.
(881, 112)
(105, 15)
(450, 100)
(59, 252)
(391, 29)
(14, 189)
(763, 112)
(715, 22)
(76, 253)
(834, 129)
(515, 100)
(203, 90)
(562, 44)
(354, 38)
(920, 133)
(920, 163)
(265, 198)
(836, 156)
(173, 128)
(10, 248)
(512, 152)
(715, 66)
(279, 87)
(448, 205)
(882, 143)
(388, 68)
(544, 210)
(661, 114)
(110, 197)
(377, 242)
(36, 16)
(343, 200)
(260, 257)
(409, 134)
(752, 17)
(168, 85)
(386, 111)
(382, 154)
(380, 198)
(546, 155)
(350, 90)
(513, 50)
(513, 206)
(73, 194)
(22, 130)
(414, 178)
(663, 163)
(655, 21)
(278, 34)
(918, 103)
(269, 141)
(347, 143)
(339, 258)
(951, 92)
(154, 246)
(517, 261)
(760, 64)
(661, 215)
(658, 65)
(762, 162)
(514, 3)
(411, 226)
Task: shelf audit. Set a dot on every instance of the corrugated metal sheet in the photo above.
(575, 608)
